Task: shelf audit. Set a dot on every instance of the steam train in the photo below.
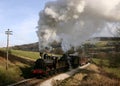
(49, 64)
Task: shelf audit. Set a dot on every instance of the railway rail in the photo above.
(27, 82)
(32, 81)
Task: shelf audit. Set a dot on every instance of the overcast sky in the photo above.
(21, 17)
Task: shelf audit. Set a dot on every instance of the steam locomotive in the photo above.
(50, 63)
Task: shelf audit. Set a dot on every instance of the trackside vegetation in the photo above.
(9, 76)
(17, 70)
(109, 63)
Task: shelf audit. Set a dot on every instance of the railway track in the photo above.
(32, 81)
(28, 82)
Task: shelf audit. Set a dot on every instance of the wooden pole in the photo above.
(8, 32)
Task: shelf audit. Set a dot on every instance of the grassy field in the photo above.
(101, 44)
(110, 63)
(115, 71)
(16, 70)
(23, 54)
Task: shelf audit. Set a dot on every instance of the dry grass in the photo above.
(16, 71)
(2, 61)
(102, 82)
(99, 80)
(9, 76)
(94, 68)
(91, 76)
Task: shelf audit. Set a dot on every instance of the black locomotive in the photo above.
(50, 63)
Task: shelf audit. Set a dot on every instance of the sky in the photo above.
(21, 17)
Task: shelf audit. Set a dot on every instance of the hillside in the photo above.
(19, 66)
(103, 71)
(105, 43)
(35, 47)
(91, 76)
(27, 47)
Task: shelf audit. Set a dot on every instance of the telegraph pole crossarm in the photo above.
(8, 32)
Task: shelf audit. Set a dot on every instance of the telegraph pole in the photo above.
(8, 32)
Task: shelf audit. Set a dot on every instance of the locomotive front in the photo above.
(44, 65)
(39, 67)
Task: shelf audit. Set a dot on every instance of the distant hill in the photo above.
(108, 38)
(27, 47)
(35, 47)
(57, 45)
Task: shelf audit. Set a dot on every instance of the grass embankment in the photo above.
(17, 70)
(104, 72)
(13, 74)
(109, 63)
(91, 76)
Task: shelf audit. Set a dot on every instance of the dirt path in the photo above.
(62, 76)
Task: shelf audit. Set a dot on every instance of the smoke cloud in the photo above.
(75, 21)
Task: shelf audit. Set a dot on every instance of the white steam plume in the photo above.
(75, 21)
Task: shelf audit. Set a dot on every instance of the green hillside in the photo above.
(20, 65)
(23, 54)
